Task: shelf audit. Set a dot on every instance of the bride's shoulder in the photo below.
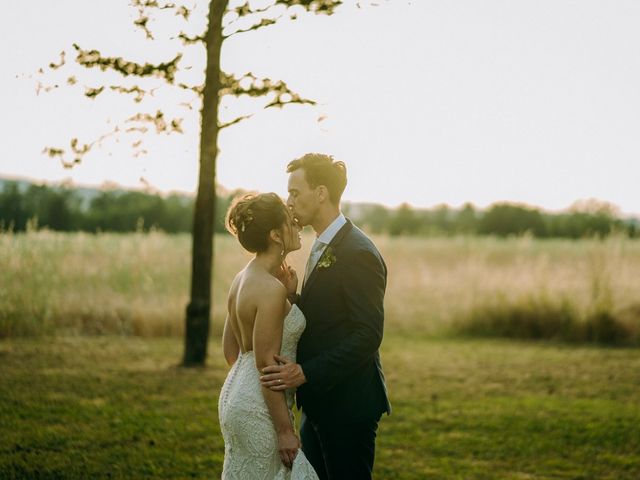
(270, 286)
(270, 298)
(265, 286)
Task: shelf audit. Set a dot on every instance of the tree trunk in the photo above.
(199, 308)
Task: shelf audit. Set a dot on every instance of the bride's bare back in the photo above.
(249, 289)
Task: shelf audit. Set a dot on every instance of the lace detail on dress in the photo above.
(251, 443)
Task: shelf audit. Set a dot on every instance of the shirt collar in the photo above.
(327, 235)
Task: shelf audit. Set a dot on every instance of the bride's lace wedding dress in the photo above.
(250, 440)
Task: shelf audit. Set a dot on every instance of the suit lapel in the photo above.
(334, 242)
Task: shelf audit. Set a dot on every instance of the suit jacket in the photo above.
(338, 351)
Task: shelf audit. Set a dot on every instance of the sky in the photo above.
(427, 102)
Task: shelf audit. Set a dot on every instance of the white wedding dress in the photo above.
(250, 440)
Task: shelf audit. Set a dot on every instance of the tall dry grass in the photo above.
(567, 289)
(139, 283)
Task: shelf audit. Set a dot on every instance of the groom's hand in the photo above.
(284, 376)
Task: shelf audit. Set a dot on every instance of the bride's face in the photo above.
(291, 234)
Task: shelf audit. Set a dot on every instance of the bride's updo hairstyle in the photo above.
(252, 216)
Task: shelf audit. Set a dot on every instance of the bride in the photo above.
(257, 423)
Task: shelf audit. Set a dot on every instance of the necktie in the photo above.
(314, 256)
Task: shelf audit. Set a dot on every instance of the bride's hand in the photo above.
(289, 278)
(288, 445)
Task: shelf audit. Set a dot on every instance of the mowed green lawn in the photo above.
(119, 407)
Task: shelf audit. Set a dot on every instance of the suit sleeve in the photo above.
(364, 282)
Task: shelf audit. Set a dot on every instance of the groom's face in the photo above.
(302, 200)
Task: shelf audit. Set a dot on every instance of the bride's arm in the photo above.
(267, 341)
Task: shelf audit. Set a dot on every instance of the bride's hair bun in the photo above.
(252, 216)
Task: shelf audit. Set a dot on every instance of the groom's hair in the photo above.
(320, 169)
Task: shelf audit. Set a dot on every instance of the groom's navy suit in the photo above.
(345, 393)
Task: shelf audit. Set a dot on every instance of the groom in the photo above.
(340, 383)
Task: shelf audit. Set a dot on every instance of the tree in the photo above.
(466, 220)
(404, 220)
(223, 22)
(56, 208)
(441, 217)
(376, 218)
(13, 211)
(504, 219)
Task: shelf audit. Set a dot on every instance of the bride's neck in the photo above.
(271, 261)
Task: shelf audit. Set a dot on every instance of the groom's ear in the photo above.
(322, 193)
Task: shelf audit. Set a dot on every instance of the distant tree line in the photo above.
(585, 219)
(66, 209)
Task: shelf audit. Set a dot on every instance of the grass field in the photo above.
(90, 339)
(138, 284)
(118, 407)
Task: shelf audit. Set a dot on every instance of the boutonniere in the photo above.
(327, 259)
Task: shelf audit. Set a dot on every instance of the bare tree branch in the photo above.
(79, 151)
(55, 66)
(287, 99)
(250, 85)
(90, 92)
(176, 125)
(93, 58)
(46, 88)
(198, 89)
(181, 10)
(245, 10)
(141, 22)
(158, 121)
(186, 40)
(143, 18)
(139, 92)
(265, 22)
(325, 7)
(53, 152)
(234, 121)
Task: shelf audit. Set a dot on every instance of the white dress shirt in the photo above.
(321, 243)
